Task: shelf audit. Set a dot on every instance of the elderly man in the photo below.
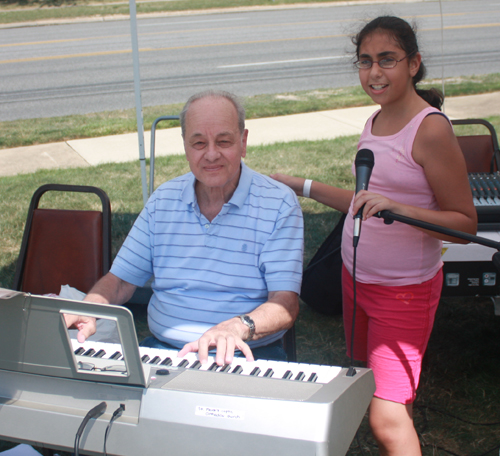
(223, 243)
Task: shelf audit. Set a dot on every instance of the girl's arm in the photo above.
(334, 197)
(436, 149)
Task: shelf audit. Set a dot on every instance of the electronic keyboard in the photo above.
(172, 405)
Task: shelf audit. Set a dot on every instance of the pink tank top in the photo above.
(395, 254)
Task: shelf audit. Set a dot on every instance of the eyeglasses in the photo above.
(92, 367)
(385, 63)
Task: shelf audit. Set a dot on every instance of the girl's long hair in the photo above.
(405, 35)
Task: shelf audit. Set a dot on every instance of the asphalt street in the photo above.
(82, 67)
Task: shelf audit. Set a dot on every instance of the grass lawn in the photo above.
(12, 11)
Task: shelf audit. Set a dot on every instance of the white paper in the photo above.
(21, 450)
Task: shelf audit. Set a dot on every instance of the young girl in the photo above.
(419, 172)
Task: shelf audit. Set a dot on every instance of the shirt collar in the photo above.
(188, 195)
(241, 192)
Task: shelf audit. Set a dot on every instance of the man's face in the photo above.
(213, 143)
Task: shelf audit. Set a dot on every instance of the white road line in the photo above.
(277, 62)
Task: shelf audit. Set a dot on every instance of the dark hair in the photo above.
(405, 35)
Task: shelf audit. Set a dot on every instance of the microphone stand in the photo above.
(390, 217)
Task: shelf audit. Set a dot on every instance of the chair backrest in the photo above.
(480, 151)
(64, 247)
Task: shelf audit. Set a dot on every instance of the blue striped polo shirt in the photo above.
(207, 272)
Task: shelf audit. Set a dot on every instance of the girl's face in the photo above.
(386, 86)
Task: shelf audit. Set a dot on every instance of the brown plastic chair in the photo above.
(480, 151)
(64, 247)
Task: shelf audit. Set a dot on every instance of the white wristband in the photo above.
(306, 191)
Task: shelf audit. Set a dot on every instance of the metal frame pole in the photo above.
(138, 101)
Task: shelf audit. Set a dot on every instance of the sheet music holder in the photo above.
(35, 339)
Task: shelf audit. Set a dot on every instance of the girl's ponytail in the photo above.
(433, 96)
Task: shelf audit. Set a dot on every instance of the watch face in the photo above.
(248, 321)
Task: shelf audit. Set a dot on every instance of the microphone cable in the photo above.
(116, 414)
(97, 411)
(351, 372)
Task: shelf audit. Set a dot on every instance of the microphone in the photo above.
(364, 164)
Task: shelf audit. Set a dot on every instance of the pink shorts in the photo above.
(392, 329)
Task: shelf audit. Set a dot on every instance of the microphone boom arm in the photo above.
(390, 217)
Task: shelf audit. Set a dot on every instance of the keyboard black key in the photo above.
(155, 360)
(145, 358)
(255, 372)
(89, 352)
(183, 363)
(100, 354)
(313, 377)
(237, 370)
(287, 375)
(79, 351)
(166, 362)
(269, 373)
(300, 376)
(195, 365)
(115, 355)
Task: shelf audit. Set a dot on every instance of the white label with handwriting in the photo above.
(215, 412)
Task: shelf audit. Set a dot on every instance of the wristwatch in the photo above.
(246, 320)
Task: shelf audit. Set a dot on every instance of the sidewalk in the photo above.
(311, 126)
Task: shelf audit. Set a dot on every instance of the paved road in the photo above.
(87, 67)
